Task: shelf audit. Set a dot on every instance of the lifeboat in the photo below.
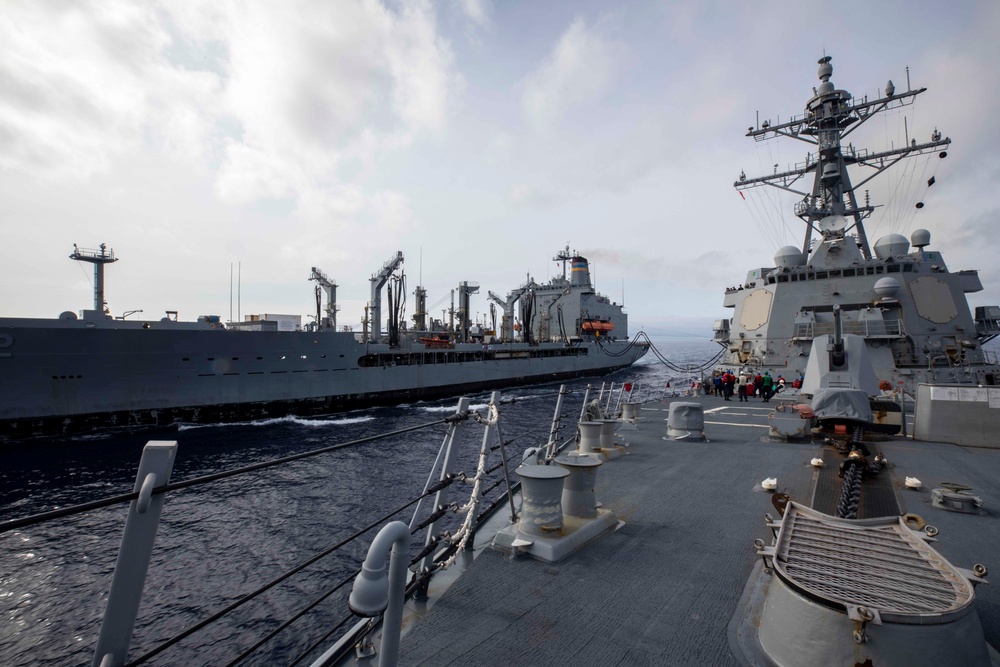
(435, 342)
(597, 325)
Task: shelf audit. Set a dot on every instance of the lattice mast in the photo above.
(831, 207)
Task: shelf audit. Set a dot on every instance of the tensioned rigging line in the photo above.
(663, 359)
(14, 524)
(323, 596)
(45, 516)
(296, 616)
(434, 488)
(319, 642)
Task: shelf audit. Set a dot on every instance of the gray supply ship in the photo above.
(79, 373)
(898, 297)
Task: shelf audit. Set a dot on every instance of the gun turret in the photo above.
(837, 355)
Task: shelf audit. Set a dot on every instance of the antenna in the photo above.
(230, 291)
(239, 290)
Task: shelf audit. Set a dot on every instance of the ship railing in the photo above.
(96, 253)
(865, 328)
(439, 546)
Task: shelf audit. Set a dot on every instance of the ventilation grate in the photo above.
(877, 563)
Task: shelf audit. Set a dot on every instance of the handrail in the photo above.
(866, 328)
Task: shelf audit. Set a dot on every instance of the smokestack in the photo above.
(580, 273)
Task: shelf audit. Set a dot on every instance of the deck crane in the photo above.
(378, 280)
(465, 290)
(329, 322)
(507, 325)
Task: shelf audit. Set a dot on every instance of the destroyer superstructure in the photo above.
(909, 308)
(79, 373)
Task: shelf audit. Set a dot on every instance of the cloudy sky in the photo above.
(478, 137)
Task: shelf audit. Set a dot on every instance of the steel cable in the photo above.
(42, 517)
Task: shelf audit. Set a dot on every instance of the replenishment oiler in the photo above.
(80, 373)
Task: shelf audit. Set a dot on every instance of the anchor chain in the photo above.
(853, 470)
(850, 493)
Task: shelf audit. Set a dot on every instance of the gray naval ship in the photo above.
(897, 299)
(665, 530)
(79, 373)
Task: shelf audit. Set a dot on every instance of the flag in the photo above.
(628, 387)
(931, 181)
(741, 195)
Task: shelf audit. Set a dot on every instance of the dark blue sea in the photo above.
(219, 541)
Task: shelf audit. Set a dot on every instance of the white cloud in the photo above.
(477, 11)
(294, 94)
(578, 71)
(85, 84)
(323, 92)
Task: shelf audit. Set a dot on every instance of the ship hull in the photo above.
(63, 378)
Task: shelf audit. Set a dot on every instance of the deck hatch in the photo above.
(877, 563)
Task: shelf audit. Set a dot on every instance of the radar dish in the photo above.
(833, 223)
(788, 256)
(891, 245)
(887, 287)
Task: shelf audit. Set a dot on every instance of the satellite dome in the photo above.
(788, 256)
(891, 245)
(920, 238)
(825, 88)
(886, 287)
(67, 315)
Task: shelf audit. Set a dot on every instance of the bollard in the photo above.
(578, 489)
(590, 437)
(630, 410)
(541, 494)
(608, 433)
(685, 421)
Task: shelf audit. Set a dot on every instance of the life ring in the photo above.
(884, 385)
(914, 521)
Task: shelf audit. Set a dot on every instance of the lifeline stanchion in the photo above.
(143, 520)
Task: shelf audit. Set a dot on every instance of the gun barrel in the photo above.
(837, 356)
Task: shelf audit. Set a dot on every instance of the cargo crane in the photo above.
(378, 281)
(507, 324)
(420, 316)
(329, 321)
(465, 290)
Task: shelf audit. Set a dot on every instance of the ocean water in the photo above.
(219, 541)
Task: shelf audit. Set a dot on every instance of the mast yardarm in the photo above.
(831, 207)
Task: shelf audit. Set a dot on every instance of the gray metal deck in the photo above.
(663, 588)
